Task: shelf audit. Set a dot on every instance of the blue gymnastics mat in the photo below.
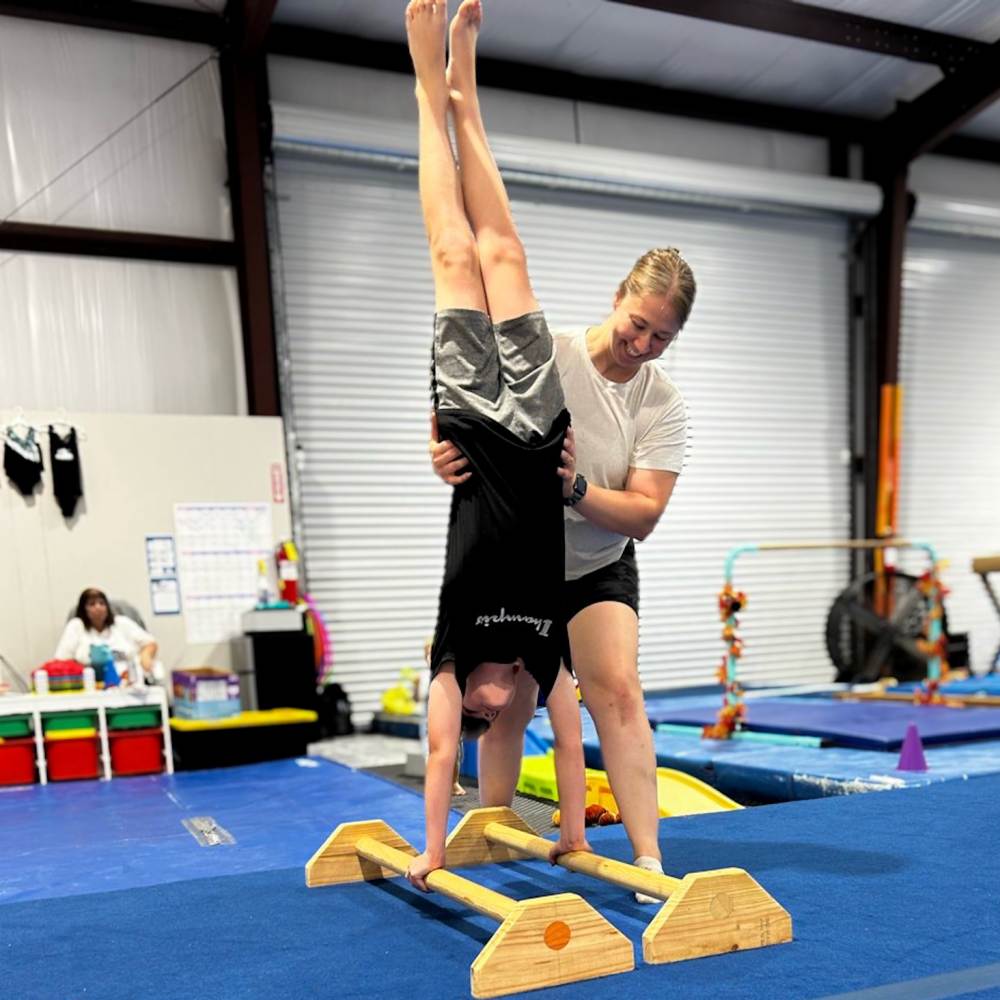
(878, 904)
(865, 725)
(80, 837)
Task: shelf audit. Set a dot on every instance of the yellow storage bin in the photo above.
(70, 734)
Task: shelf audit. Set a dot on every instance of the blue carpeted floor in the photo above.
(884, 888)
(88, 836)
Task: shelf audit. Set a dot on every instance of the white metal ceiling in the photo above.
(602, 39)
(605, 39)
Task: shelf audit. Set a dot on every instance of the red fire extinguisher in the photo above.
(287, 558)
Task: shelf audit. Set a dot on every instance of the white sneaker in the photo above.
(648, 864)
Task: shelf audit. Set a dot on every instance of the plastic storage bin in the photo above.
(60, 721)
(136, 751)
(14, 725)
(17, 761)
(139, 717)
(72, 753)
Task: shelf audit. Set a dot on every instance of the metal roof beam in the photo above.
(921, 125)
(833, 27)
(250, 23)
(968, 147)
(246, 107)
(123, 15)
(29, 237)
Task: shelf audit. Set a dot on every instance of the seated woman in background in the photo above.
(95, 624)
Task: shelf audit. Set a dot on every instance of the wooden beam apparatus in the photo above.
(156, 20)
(705, 913)
(541, 942)
(832, 27)
(887, 694)
(28, 237)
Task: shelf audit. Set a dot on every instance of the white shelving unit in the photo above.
(37, 705)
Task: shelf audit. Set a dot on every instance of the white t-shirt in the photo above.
(639, 424)
(124, 638)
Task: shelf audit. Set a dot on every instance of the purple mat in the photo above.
(864, 724)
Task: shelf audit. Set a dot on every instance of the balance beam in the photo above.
(706, 913)
(540, 942)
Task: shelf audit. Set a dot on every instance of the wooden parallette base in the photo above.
(714, 912)
(706, 913)
(540, 942)
(548, 941)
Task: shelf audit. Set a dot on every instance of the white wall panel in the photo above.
(762, 364)
(386, 95)
(670, 135)
(381, 94)
(950, 373)
(109, 130)
(955, 178)
(558, 165)
(102, 335)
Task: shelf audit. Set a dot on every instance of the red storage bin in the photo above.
(73, 758)
(136, 751)
(17, 761)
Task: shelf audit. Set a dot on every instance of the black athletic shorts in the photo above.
(618, 581)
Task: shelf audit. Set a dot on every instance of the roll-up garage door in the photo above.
(762, 364)
(950, 372)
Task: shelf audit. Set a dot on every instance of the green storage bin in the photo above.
(138, 717)
(15, 725)
(69, 720)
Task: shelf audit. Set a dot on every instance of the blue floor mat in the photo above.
(89, 836)
(866, 725)
(882, 888)
(777, 773)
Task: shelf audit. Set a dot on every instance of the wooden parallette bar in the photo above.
(540, 942)
(986, 564)
(705, 913)
(950, 700)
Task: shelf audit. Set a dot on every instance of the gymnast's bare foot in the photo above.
(463, 34)
(425, 32)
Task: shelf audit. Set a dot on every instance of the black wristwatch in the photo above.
(579, 491)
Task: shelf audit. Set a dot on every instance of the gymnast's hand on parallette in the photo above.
(564, 846)
(418, 870)
(567, 471)
(447, 460)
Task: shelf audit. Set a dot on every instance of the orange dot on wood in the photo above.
(557, 935)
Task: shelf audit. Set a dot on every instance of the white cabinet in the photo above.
(37, 705)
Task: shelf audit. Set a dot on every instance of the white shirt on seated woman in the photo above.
(95, 624)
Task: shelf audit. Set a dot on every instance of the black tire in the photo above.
(865, 647)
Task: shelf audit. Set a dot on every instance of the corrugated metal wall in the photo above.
(950, 371)
(762, 364)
